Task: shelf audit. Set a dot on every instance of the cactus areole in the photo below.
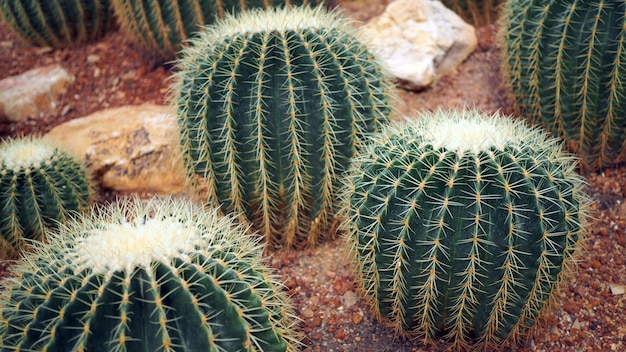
(159, 276)
(565, 65)
(462, 224)
(271, 107)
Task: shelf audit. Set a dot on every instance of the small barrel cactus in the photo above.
(565, 65)
(164, 26)
(476, 12)
(161, 275)
(462, 225)
(57, 23)
(271, 107)
(40, 185)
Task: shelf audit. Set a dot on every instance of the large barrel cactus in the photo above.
(40, 186)
(462, 225)
(565, 63)
(476, 12)
(57, 23)
(161, 275)
(164, 26)
(271, 107)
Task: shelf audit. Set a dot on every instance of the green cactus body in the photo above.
(57, 23)
(161, 275)
(40, 185)
(164, 26)
(476, 12)
(462, 224)
(271, 106)
(565, 64)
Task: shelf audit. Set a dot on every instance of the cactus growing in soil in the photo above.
(476, 12)
(57, 23)
(40, 185)
(271, 106)
(462, 225)
(164, 26)
(161, 275)
(565, 64)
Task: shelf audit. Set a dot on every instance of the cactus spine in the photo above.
(271, 106)
(163, 26)
(40, 185)
(462, 224)
(161, 275)
(57, 23)
(565, 63)
(476, 12)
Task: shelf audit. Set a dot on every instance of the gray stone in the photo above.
(32, 93)
(420, 40)
(130, 149)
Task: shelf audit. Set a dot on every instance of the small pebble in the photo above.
(307, 313)
(316, 322)
(349, 299)
(93, 58)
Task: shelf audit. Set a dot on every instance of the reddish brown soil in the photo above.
(587, 317)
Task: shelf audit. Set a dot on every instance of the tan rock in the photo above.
(32, 93)
(420, 40)
(130, 149)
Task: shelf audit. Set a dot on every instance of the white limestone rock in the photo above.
(420, 40)
(32, 93)
(129, 149)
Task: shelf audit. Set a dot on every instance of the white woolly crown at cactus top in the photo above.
(275, 19)
(24, 152)
(468, 131)
(136, 243)
(136, 236)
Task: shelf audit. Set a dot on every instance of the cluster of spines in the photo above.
(476, 12)
(40, 186)
(470, 245)
(564, 65)
(214, 293)
(57, 23)
(165, 26)
(271, 106)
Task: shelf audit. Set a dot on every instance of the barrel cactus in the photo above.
(40, 186)
(463, 225)
(271, 107)
(163, 26)
(565, 64)
(157, 275)
(57, 23)
(476, 12)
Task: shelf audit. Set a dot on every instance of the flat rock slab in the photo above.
(130, 149)
(32, 93)
(420, 40)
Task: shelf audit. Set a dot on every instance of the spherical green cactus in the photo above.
(161, 275)
(462, 225)
(164, 26)
(271, 106)
(40, 185)
(476, 12)
(57, 23)
(565, 64)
